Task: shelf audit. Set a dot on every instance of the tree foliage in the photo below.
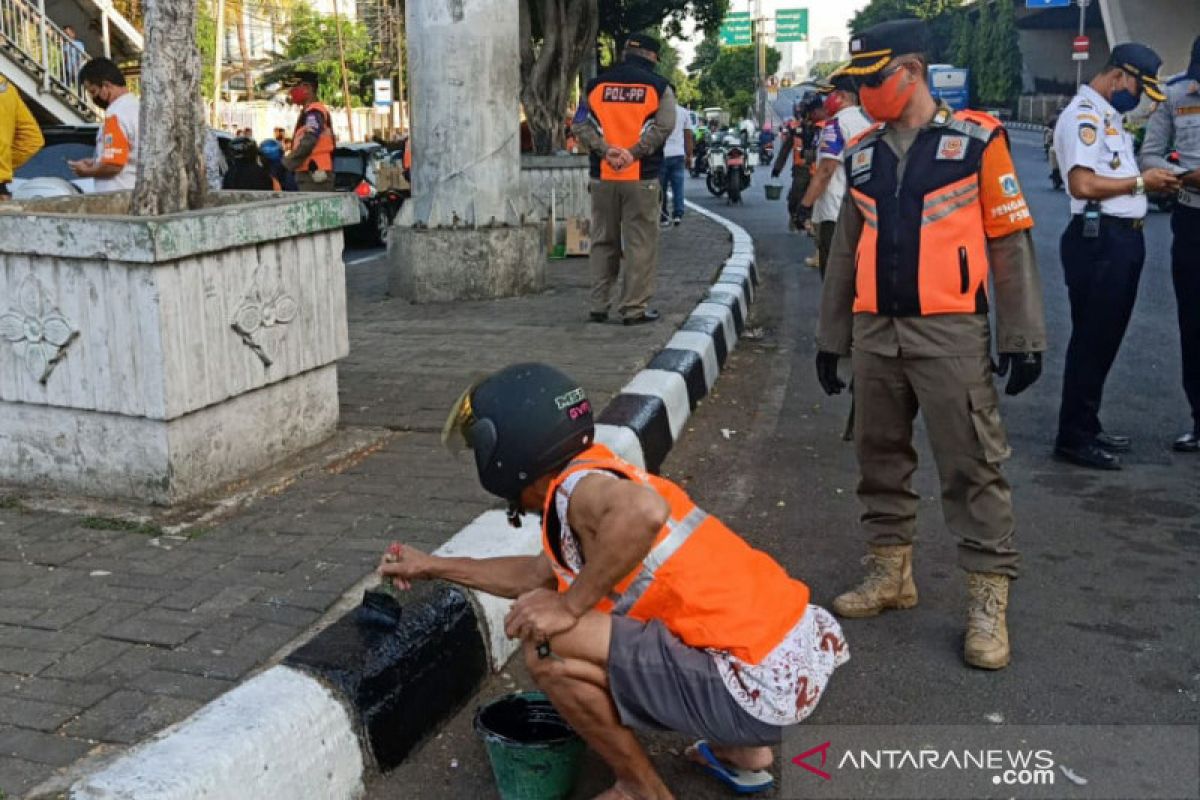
(312, 45)
(619, 18)
(823, 69)
(556, 36)
(729, 80)
(939, 14)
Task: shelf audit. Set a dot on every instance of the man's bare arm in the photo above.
(505, 576)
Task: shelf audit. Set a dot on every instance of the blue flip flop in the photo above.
(742, 781)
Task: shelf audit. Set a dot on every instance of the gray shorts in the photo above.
(659, 683)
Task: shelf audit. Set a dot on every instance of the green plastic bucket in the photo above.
(535, 754)
(773, 190)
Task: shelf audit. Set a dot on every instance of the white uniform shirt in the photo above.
(674, 145)
(117, 143)
(1089, 134)
(837, 133)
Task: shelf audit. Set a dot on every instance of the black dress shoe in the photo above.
(649, 315)
(1188, 443)
(598, 316)
(1088, 455)
(1113, 442)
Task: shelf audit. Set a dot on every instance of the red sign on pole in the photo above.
(1080, 44)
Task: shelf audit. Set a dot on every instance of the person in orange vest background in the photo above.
(311, 156)
(933, 208)
(623, 119)
(641, 611)
(798, 144)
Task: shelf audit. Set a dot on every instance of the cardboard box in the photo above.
(579, 236)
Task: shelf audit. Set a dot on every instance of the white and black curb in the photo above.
(360, 695)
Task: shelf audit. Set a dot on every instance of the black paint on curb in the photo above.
(401, 681)
(688, 364)
(646, 415)
(712, 327)
(743, 281)
(731, 302)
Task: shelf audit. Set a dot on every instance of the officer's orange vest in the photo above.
(622, 102)
(704, 582)
(923, 249)
(322, 155)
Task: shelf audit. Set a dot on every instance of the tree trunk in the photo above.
(170, 176)
(244, 50)
(549, 67)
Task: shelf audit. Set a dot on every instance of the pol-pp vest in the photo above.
(622, 102)
(702, 581)
(322, 154)
(923, 249)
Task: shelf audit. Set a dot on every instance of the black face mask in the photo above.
(100, 102)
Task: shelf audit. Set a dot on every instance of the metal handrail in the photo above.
(32, 40)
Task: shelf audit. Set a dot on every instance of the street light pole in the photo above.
(1083, 4)
(760, 62)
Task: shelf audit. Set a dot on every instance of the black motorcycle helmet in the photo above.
(243, 149)
(523, 422)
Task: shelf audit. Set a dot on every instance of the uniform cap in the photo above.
(643, 41)
(304, 76)
(1142, 63)
(838, 80)
(874, 48)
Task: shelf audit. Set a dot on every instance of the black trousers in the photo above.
(1102, 277)
(1185, 274)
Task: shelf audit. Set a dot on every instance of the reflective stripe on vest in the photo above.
(621, 112)
(322, 153)
(701, 580)
(923, 249)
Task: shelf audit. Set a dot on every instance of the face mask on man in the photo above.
(887, 101)
(98, 99)
(298, 95)
(1124, 100)
(834, 104)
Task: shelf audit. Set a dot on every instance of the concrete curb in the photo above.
(361, 696)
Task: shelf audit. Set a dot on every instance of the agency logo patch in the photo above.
(1087, 134)
(624, 94)
(952, 148)
(1009, 186)
(860, 163)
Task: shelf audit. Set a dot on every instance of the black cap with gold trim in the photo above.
(303, 76)
(873, 49)
(1142, 63)
(838, 80)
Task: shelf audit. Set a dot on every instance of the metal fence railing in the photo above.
(1039, 108)
(41, 48)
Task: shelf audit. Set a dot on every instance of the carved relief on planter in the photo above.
(263, 307)
(37, 331)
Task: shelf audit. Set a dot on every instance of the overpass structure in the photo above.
(43, 63)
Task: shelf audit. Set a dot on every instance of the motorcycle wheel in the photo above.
(735, 191)
(715, 184)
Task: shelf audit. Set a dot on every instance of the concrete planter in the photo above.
(157, 358)
(558, 180)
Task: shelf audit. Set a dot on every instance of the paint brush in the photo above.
(381, 603)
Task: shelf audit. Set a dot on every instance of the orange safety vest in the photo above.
(700, 579)
(923, 248)
(622, 102)
(322, 155)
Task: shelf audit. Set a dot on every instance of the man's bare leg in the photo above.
(575, 678)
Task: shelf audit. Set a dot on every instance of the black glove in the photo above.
(774, 173)
(827, 374)
(1026, 369)
(803, 212)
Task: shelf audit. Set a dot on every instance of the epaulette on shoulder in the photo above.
(975, 123)
(869, 135)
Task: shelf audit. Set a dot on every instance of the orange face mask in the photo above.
(886, 102)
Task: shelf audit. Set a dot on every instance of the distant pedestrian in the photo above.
(1102, 248)
(677, 154)
(114, 166)
(246, 170)
(20, 136)
(311, 156)
(76, 55)
(624, 117)
(798, 145)
(826, 189)
(272, 156)
(1177, 121)
(280, 135)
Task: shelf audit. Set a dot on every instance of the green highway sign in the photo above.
(791, 25)
(735, 30)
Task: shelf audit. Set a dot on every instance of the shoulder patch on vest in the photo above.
(1087, 134)
(860, 161)
(970, 128)
(952, 148)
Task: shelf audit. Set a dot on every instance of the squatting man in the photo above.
(641, 611)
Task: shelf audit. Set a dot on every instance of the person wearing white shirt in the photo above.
(677, 154)
(1102, 249)
(823, 199)
(114, 166)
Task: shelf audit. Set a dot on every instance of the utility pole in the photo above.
(337, 23)
(760, 62)
(217, 59)
(399, 30)
(1083, 4)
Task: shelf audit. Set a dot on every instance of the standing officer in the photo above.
(311, 157)
(934, 207)
(626, 114)
(20, 136)
(799, 143)
(1178, 120)
(1102, 249)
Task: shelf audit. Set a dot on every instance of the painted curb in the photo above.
(361, 696)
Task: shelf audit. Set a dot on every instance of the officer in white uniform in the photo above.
(1177, 123)
(1102, 248)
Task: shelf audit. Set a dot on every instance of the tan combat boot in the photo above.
(986, 645)
(888, 584)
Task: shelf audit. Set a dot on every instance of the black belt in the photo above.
(1108, 219)
(4, 189)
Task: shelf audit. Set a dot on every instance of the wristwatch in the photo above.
(1139, 186)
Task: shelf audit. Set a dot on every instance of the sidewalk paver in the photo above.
(111, 631)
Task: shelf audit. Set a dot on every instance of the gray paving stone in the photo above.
(36, 714)
(294, 616)
(41, 748)
(64, 613)
(87, 659)
(127, 716)
(34, 639)
(163, 627)
(181, 684)
(18, 616)
(73, 693)
(25, 662)
(18, 775)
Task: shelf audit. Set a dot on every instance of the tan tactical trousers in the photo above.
(624, 213)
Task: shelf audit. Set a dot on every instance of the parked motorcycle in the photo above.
(699, 165)
(737, 170)
(725, 159)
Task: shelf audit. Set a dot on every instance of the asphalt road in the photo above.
(1104, 620)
